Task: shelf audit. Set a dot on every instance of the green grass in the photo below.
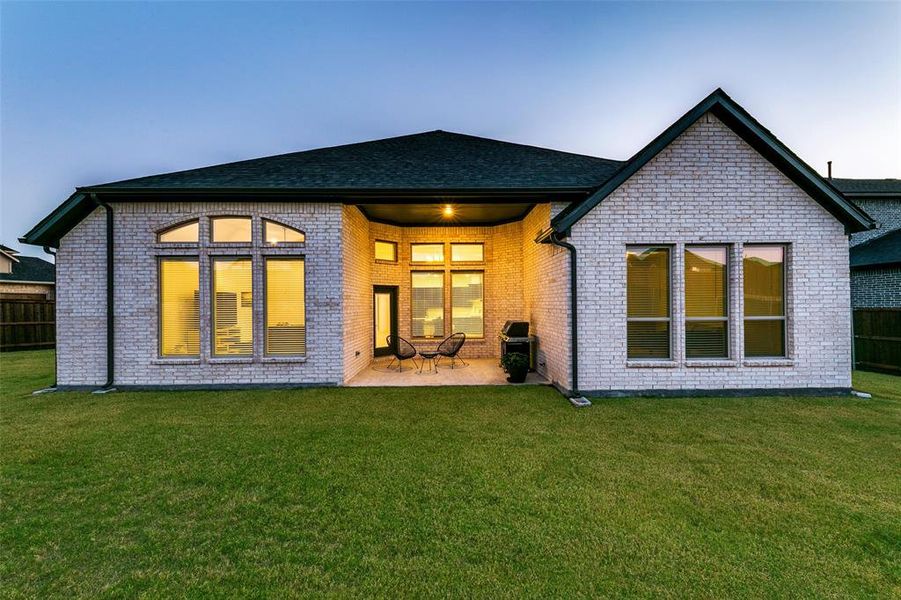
(445, 492)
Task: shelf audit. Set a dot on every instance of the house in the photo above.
(25, 277)
(875, 254)
(712, 261)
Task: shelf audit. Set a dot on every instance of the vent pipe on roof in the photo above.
(829, 169)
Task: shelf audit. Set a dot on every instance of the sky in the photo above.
(96, 92)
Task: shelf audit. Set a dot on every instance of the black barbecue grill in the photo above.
(515, 337)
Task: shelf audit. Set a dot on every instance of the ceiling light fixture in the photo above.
(448, 210)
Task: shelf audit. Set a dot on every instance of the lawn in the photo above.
(445, 492)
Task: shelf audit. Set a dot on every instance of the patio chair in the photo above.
(450, 348)
(401, 350)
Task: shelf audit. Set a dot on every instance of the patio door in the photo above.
(384, 318)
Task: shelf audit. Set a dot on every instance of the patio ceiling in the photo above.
(446, 213)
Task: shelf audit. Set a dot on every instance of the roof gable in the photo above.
(752, 132)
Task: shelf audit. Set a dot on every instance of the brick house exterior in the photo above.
(715, 176)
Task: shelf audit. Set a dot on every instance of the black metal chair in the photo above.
(401, 350)
(450, 348)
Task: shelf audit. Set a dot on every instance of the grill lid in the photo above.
(516, 329)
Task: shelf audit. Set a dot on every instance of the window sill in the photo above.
(651, 364)
(225, 360)
(175, 361)
(710, 363)
(283, 359)
(769, 362)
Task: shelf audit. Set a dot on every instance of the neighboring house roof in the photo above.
(757, 136)
(436, 162)
(873, 188)
(881, 251)
(31, 269)
(8, 250)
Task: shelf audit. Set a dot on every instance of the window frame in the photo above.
(467, 272)
(443, 260)
(266, 243)
(159, 306)
(160, 233)
(443, 274)
(253, 337)
(727, 308)
(212, 232)
(783, 317)
(668, 319)
(382, 260)
(295, 257)
(467, 262)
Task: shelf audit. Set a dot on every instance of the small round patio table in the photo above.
(428, 355)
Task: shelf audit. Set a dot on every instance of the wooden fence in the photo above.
(27, 324)
(877, 339)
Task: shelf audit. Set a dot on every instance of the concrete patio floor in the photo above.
(478, 371)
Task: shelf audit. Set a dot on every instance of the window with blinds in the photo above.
(427, 291)
(427, 253)
(764, 292)
(706, 302)
(461, 253)
(186, 233)
(648, 302)
(179, 307)
(467, 308)
(231, 229)
(276, 233)
(286, 333)
(232, 307)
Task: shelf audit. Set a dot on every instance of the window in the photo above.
(385, 251)
(286, 332)
(276, 233)
(466, 304)
(648, 302)
(232, 307)
(427, 253)
(186, 233)
(706, 302)
(467, 253)
(428, 303)
(231, 229)
(179, 307)
(764, 273)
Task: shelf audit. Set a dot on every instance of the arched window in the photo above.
(185, 233)
(276, 233)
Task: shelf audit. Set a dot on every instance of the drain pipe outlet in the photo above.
(110, 299)
(575, 397)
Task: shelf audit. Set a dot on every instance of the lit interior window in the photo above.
(232, 307)
(427, 253)
(467, 253)
(467, 308)
(386, 251)
(179, 307)
(286, 332)
(231, 229)
(186, 233)
(276, 233)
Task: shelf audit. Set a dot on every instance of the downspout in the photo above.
(110, 298)
(556, 240)
(52, 387)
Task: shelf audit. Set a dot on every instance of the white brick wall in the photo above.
(709, 186)
(81, 273)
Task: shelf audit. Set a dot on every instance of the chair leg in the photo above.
(391, 363)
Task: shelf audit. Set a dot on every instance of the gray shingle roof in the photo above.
(30, 268)
(432, 160)
(868, 186)
(884, 250)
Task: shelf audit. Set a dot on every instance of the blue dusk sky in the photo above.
(95, 92)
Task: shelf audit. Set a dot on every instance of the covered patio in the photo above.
(476, 371)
